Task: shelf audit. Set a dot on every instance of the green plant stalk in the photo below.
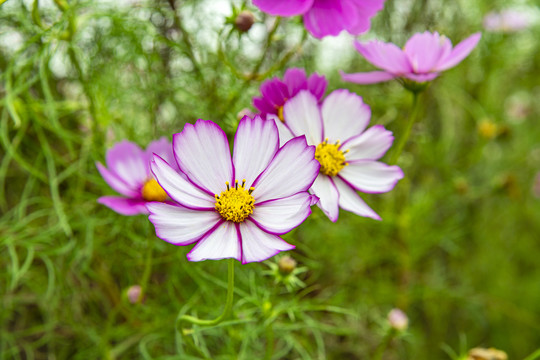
(228, 303)
(405, 135)
(269, 342)
(147, 268)
(384, 344)
(535, 355)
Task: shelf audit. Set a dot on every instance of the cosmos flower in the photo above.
(128, 172)
(275, 92)
(347, 152)
(234, 208)
(423, 58)
(508, 21)
(326, 17)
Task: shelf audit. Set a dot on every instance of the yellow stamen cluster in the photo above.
(152, 191)
(332, 159)
(236, 203)
(280, 114)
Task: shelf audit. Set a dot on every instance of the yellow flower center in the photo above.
(152, 191)
(332, 159)
(236, 203)
(280, 114)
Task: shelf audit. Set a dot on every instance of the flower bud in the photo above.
(487, 129)
(286, 265)
(245, 112)
(398, 319)
(244, 20)
(134, 293)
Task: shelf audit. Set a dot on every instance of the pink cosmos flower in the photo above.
(423, 58)
(276, 92)
(128, 172)
(234, 208)
(326, 17)
(346, 151)
(508, 20)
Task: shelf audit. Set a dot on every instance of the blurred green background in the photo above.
(458, 248)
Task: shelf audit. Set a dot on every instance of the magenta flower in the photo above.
(276, 92)
(326, 17)
(128, 172)
(508, 21)
(423, 58)
(347, 152)
(234, 208)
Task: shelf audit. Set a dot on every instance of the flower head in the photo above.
(128, 172)
(234, 208)
(326, 17)
(398, 319)
(346, 151)
(275, 92)
(508, 21)
(422, 59)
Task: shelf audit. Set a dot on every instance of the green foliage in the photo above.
(457, 249)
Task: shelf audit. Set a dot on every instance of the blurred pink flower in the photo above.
(347, 152)
(275, 92)
(134, 293)
(423, 58)
(234, 208)
(507, 21)
(326, 17)
(128, 172)
(398, 319)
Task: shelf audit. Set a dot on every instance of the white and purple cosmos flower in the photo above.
(423, 58)
(275, 92)
(234, 208)
(326, 17)
(128, 172)
(347, 154)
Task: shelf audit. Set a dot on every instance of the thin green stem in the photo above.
(147, 268)
(535, 355)
(407, 132)
(228, 303)
(384, 344)
(269, 342)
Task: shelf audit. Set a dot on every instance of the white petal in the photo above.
(179, 225)
(344, 115)
(255, 144)
(282, 215)
(370, 145)
(284, 132)
(203, 154)
(303, 117)
(328, 195)
(258, 245)
(292, 170)
(371, 176)
(222, 243)
(350, 201)
(178, 188)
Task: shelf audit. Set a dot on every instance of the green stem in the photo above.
(405, 135)
(269, 342)
(228, 303)
(147, 268)
(535, 355)
(384, 344)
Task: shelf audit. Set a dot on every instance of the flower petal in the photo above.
(425, 50)
(371, 176)
(124, 206)
(284, 132)
(222, 243)
(258, 245)
(365, 78)
(460, 52)
(420, 78)
(282, 215)
(317, 85)
(371, 144)
(330, 17)
(255, 144)
(180, 189)
(328, 195)
(179, 225)
(296, 80)
(350, 201)
(292, 170)
(263, 106)
(283, 7)
(366, 9)
(116, 183)
(386, 56)
(203, 154)
(163, 148)
(129, 163)
(303, 117)
(344, 115)
(275, 92)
